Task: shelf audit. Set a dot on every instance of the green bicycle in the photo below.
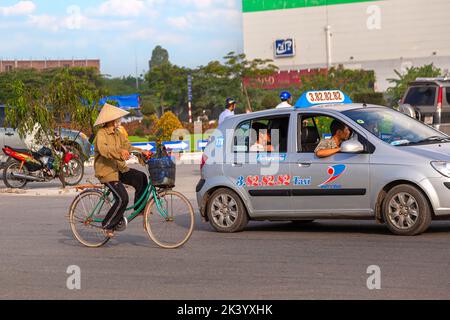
(168, 216)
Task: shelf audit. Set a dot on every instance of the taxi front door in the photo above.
(329, 186)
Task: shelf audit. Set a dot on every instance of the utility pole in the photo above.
(190, 97)
(328, 40)
(136, 64)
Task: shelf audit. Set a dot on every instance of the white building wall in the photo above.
(411, 32)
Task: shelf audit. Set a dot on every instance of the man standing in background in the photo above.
(286, 100)
(230, 105)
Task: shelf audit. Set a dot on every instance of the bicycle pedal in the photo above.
(122, 225)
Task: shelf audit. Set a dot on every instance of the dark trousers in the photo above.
(135, 178)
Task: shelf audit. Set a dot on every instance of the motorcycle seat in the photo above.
(19, 150)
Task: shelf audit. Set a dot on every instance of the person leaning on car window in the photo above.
(329, 147)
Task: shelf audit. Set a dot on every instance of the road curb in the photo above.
(45, 192)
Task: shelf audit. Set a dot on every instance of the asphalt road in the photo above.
(321, 260)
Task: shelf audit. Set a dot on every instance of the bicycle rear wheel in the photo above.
(86, 226)
(170, 225)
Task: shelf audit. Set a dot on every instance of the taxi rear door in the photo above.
(263, 175)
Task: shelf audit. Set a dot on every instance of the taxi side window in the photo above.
(311, 130)
(268, 134)
(241, 137)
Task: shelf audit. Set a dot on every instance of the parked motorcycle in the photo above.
(24, 166)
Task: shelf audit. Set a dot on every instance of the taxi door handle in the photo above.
(304, 164)
(235, 164)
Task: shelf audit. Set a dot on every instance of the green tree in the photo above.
(147, 105)
(270, 100)
(349, 81)
(167, 83)
(44, 108)
(160, 56)
(400, 84)
(211, 87)
(240, 68)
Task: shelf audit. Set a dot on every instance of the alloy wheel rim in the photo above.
(224, 210)
(403, 211)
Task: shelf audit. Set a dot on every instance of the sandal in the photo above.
(108, 233)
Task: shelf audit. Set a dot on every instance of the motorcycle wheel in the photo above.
(73, 172)
(13, 166)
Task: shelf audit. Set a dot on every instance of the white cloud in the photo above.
(179, 22)
(205, 18)
(203, 4)
(126, 8)
(151, 34)
(121, 8)
(55, 24)
(44, 21)
(19, 9)
(141, 34)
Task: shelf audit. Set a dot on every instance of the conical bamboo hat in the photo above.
(109, 113)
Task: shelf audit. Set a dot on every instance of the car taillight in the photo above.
(440, 94)
(203, 162)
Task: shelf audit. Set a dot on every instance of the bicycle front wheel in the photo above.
(86, 215)
(169, 221)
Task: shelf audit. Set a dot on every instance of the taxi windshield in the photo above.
(394, 127)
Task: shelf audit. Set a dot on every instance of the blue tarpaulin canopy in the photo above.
(125, 102)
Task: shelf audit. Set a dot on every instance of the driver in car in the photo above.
(329, 147)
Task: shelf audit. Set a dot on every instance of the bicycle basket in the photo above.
(162, 172)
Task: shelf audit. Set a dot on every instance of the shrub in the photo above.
(167, 124)
(139, 132)
(369, 98)
(150, 122)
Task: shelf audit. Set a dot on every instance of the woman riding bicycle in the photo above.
(112, 149)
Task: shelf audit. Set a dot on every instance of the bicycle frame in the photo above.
(138, 207)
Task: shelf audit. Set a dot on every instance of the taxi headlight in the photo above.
(443, 167)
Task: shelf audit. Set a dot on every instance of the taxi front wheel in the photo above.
(226, 212)
(406, 211)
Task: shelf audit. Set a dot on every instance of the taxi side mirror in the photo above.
(352, 146)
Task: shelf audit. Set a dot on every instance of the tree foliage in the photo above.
(159, 57)
(400, 84)
(167, 83)
(349, 81)
(43, 108)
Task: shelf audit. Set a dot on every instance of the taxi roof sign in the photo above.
(314, 98)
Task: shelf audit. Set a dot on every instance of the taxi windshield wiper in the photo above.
(429, 139)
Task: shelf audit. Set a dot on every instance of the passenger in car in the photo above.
(262, 143)
(329, 147)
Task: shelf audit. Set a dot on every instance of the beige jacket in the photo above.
(107, 146)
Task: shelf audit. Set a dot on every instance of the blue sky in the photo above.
(117, 31)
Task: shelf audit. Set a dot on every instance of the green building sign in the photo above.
(263, 5)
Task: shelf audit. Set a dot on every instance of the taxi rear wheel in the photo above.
(406, 211)
(226, 211)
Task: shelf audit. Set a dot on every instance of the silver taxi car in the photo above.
(394, 169)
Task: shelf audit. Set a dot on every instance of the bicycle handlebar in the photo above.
(140, 155)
